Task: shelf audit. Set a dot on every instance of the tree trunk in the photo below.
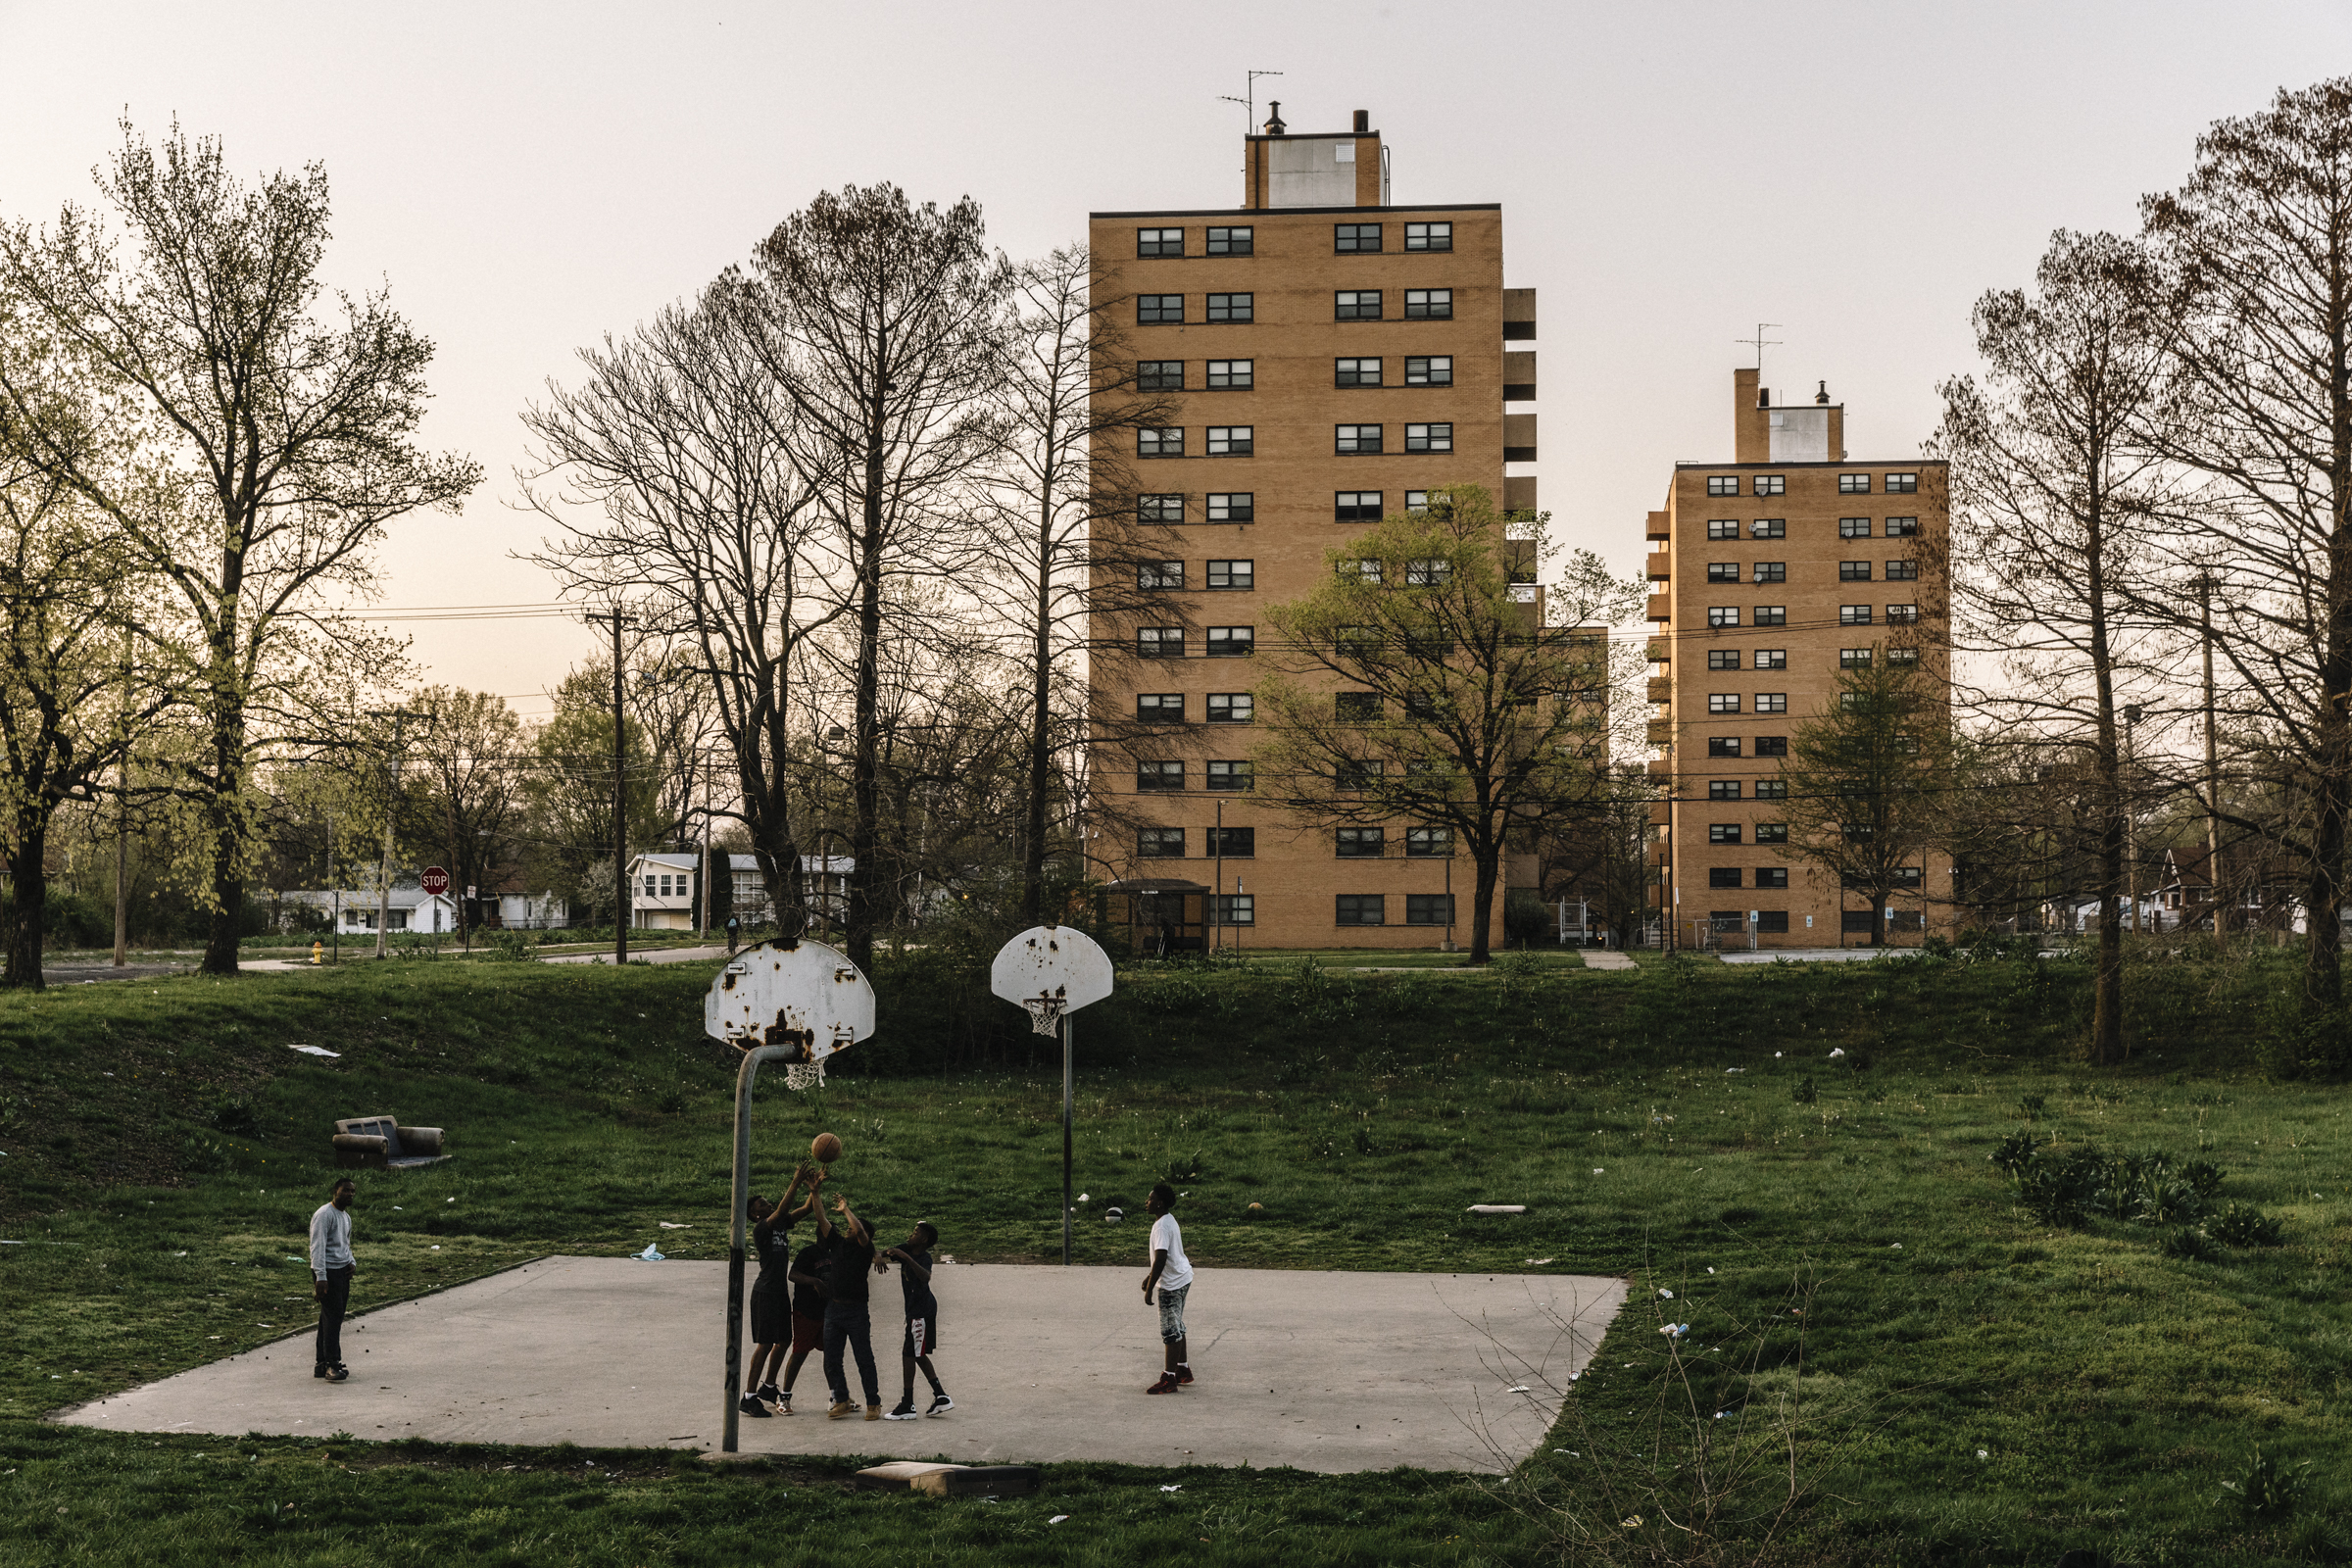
(228, 836)
(1041, 748)
(1488, 861)
(20, 921)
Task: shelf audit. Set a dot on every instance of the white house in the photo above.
(661, 891)
(412, 909)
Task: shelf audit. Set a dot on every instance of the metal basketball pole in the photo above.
(743, 1180)
(1066, 1139)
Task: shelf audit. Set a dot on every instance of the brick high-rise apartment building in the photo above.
(1770, 574)
(1331, 358)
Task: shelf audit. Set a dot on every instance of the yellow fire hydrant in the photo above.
(318, 951)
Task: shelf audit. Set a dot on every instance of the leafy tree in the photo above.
(282, 438)
(1420, 688)
(1868, 782)
(570, 838)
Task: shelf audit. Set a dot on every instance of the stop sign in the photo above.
(434, 880)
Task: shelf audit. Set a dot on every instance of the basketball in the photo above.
(826, 1148)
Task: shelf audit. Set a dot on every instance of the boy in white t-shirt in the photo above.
(1172, 1273)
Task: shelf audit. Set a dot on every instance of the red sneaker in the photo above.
(1167, 1384)
(1183, 1374)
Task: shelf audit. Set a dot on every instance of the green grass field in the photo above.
(1952, 1379)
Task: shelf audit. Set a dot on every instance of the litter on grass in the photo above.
(1172, 1488)
(1058, 1518)
(1537, 1263)
(1498, 1208)
(668, 1225)
(315, 1051)
(650, 1255)
(1837, 1052)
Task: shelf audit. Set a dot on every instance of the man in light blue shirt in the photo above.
(331, 1266)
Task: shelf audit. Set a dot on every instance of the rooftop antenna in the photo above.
(1249, 103)
(1760, 343)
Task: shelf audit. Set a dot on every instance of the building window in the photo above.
(1770, 572)
(1429, 908)
(1355, 777)
(1853, 572)
(1723, 484)
(1903, 484)
(1772, 876)
(1159, 441)
(1853, 484)
(1160, 242)
(1361, 571)
(1772, 789)
(1429, 370)
(1355, 372)
(1159, 375)
(1231, 642)
(1903, 571)
(1159, 843)
(1723, 746)
(1853, 527)
(1853, 615)
(1158, 575)
(1354, 238)
(1429, 236)
(1723, 571)
(1723, 659)
(1361, 843)
(1232, 440)
(1429, 437)
(1772, 615)
(1723, 528)
(1159, 642)
(1356, 439)
(1434, 571)
(1231, 708)
(1771, 922)
(1722, 615)
(1158, 779)
(1159, 508)
(1359, 908)
(1772, 659)
(1722, 789)
(1429, 305)
(1233, 843)
(1232, 241)
(1429, 843)
(1233, 575)
(1231, 505)
(1231, 375)
(1232, 775)
(1356, 707)
(1772, 746)
(1772, 703)
(1417, 500)
(1771, 484)
(1723, 876)
(1902, 527)
(1354, 642)
(1356, 305)
(1159, 708)
(1723, 701)
(1357, 505)
(1768, 528)
(1160, 308)
(1723, 832)
(1853, 658)
(1233, 908)
(1772, 832)
(1232, 306)
(1902, 656)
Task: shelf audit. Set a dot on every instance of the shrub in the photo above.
(1515, 964)
(2192, 1244)
(1526, 919)
(1804, 1094)
(2012, 1152)
(2267, 1489)
(2241, 1225)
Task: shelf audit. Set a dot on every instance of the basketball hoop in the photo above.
(1045, 1014)
(803, 1075)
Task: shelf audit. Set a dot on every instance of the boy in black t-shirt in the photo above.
(922, 1322)
(850, 1246)
(811, 1267)
(772, 1327)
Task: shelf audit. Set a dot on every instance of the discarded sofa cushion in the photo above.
(380, 1143)
(360, 1152)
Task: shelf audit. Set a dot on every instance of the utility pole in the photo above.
(123, 821)
(1217, 903)
(334, 922)
(620, 797)
(2213, 767)
(399, 717)
(2132, 713)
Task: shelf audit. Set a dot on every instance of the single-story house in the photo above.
(411, 908)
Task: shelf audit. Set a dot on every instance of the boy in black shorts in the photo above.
(771, 1317)
(922, 1322)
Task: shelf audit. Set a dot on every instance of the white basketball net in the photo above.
(803, 1075)
(1045, 1014)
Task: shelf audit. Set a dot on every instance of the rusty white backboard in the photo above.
(782, 993)
(1051, 960)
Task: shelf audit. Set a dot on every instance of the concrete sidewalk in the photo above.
(1330, 1372)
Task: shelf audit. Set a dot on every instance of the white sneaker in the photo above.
(903, 1412)
(941, 1405)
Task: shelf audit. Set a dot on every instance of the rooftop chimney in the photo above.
(1763, 397)
(1822, 396)
(1274, 125)
(1363, 121)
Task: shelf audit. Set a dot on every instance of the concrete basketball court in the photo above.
(1322, 1371)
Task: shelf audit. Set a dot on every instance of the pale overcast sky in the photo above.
(529, 176)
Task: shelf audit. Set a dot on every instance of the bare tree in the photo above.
(287, 437)
(708, 521)
(2052, 495)
(470, 791)
(882, 324)
(2257, 250)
